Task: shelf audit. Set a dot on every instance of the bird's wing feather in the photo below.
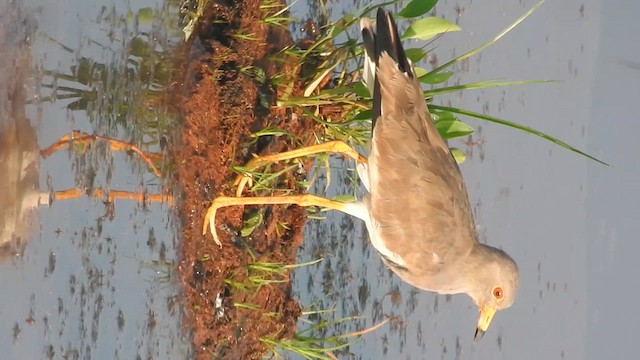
(418, 199)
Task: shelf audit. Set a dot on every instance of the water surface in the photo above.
(93, 280)
(567, 221)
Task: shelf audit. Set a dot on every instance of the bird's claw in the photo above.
(210, 223)
(241, 182)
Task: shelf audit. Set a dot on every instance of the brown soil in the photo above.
(222, 108)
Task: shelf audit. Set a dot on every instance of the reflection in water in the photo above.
(93, 281)
(19, 158)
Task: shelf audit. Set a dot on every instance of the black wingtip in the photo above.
(384, 39)
(388, 40)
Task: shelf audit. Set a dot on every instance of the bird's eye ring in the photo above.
(498, 294)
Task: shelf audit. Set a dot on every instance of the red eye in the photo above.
(498, 293)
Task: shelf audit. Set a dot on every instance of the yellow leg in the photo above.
(113, 194)
(116, 145)
(338, 147)
(300, 200)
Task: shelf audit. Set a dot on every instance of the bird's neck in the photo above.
(473, 263)
(465, 274)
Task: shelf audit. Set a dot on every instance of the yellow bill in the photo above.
(486, 314)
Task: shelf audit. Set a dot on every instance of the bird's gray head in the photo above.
(494, 285)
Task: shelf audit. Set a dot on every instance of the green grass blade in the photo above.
(415, 54)
(490, 42)
(458, 155)
(417, 8)
(454, 128)
(479, 85)
(516, 126)
(432, 78)
(427, 28)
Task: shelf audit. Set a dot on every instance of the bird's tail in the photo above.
(377, 40)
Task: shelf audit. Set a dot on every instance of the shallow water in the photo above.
(92, 281)
(91, 284)
(567, 221)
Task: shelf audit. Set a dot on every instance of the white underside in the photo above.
(369, 172)
(359, 209)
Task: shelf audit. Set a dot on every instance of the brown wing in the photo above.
(418, 197)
